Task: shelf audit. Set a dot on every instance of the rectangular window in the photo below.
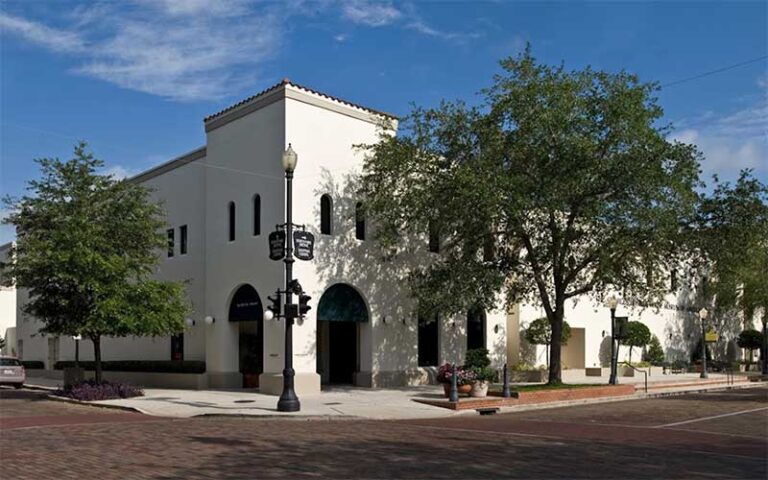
(434, 239)
(177, 347)
(428, 351)
(170, 242)
(183, 239)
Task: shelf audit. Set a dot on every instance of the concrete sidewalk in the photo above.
(351, 402)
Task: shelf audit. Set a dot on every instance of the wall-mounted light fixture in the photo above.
(190, 322)
(209, 320)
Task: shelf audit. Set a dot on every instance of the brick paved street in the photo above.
(659, 438)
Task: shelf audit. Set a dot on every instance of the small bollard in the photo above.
(505, 387)
(454, 395)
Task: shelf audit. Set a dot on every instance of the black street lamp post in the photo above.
(702, 317)
(613, 302)
(289, 402)
(764, 352)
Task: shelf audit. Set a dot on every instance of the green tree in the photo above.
(635, 335)
(750, 340)
(732, 238)
(86, 246)
(560, 184)
(655, 353)
(539, 332)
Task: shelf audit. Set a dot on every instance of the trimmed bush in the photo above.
(33, 365)
(151, 366)
(90, 390)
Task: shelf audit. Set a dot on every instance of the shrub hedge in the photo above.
(33, 364)
(153, 366)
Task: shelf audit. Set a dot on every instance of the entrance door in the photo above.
(250, 353)
(340, 313)
(342, 352)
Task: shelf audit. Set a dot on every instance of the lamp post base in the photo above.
(703, 375)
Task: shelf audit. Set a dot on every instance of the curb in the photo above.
(272, 416)
(101, 405)
(41, 388)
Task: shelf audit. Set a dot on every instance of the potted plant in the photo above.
(479, 364)
(483, 377)
(464, 378)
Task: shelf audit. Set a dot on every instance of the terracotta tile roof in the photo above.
(286, 81)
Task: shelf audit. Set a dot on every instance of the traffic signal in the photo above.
(304, 304)
(274, 306)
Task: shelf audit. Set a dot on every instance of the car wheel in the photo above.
(18, 385)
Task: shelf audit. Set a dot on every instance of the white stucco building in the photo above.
(224, 198)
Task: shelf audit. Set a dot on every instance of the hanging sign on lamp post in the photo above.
(277, 245)
(304, 245)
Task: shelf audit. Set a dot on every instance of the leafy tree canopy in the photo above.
(750, 339)
(86, 246)
(560, 184)
(539, 332)
(732, 237)
(655, 353)
(636, 334)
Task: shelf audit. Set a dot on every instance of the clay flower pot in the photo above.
(462, 389)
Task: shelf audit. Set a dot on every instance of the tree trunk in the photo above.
(630, 354)
(555, 367)
(97, 357)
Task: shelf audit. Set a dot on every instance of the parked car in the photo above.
(12, 372)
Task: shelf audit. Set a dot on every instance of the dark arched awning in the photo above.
(246, 305)
(342, 303)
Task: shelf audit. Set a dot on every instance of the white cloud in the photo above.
(423, 28)
(731, 142)
(48, 37)
(119, 172)
(373, 14)
(193, 49)
(182, 50)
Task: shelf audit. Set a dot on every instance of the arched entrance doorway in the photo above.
(475, 328)
(340, 313)
(245, 309)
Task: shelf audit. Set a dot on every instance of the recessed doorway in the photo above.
(341, 312)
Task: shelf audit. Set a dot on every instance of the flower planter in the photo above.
(479, 389)
(463, 389)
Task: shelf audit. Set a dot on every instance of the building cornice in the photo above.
(288, 89)
(169, 165)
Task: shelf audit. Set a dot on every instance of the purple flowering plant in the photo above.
(90, 390)
(464, 376)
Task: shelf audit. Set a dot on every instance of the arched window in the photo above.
(434, 239)
(257, 214)
(326, 214)
(359, 221)
(231, 221)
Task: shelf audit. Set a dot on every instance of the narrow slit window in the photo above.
(183, 240)
(359, 222)
(231, 221)
(326, 214)
(256, 215)
(434, 239)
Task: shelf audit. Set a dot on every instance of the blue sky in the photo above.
(135, 78)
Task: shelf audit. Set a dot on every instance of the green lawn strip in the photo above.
(544, 386)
